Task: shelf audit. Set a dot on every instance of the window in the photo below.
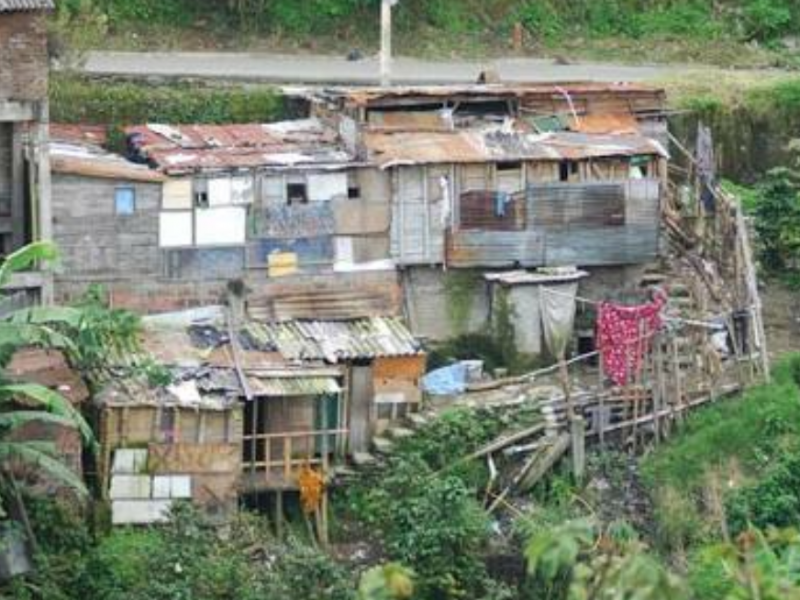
(567, 169)
(353, 192)
(201, 199)
(296, 193)
(124, 200)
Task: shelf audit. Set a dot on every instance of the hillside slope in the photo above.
(760, 32)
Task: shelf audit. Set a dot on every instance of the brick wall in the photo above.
(23, 56)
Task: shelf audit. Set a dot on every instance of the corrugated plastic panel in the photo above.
(334, 341)
(293, 386)
(22, 5)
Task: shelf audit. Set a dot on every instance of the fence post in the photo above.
(578, 432)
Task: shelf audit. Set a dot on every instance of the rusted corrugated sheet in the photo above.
(409, 121)
(335, 341)
(24, 5)
(591, 224)
(372, 96)
(470, 146)
(604, 124)
(483, 209)
(186, 148)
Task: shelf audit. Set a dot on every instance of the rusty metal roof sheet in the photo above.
(25, 5)
(617, 124)
(187, 148)
(335, 341)
(390, 149)
(364, 96)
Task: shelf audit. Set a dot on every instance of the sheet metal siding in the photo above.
(593, 244)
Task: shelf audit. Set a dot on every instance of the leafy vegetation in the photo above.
(423, 25)
(185, 559)
(424, 509)
(74, 99)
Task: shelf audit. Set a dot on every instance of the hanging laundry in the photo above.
(501, 200)
(624, 335)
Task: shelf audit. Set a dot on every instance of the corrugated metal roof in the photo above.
(618, 124)
(390, 149)
(293, 386)
(24, 5)
(335, 341)
(369, 95)
(555, 275)
(186, 148)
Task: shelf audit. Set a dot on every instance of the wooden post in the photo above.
(279, 513)
(578, 430)
(601, 406)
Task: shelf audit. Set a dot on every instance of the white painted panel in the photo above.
(219, 191)
(129, 461)
(172, 486)
(344, 250)
(177, 194)
(327, 186)
(128, 487)
(242, 190)
(175, 229)
(139, 512)
(221, 226)
(181, 486)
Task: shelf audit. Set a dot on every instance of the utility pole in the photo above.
(386, 41)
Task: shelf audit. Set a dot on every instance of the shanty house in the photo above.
(279, 209)
(507, 177)
(244, 414)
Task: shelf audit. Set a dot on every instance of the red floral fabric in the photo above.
(622, 341)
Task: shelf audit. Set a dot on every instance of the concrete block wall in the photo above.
(23, 56)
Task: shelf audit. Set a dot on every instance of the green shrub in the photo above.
(772, 502)
(75, 99)
(766, 20)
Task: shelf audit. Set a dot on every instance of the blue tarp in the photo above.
(447, 380)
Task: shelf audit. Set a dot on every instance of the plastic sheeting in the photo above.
(558, 316)
(447, 380)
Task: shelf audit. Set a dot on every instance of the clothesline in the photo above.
(694, 322)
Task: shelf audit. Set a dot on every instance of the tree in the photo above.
(777, 222)
(23, 403)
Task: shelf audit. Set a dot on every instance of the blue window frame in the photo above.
(125, 200)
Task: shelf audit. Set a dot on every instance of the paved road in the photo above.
(315, 69)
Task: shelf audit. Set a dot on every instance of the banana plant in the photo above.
(25, 403)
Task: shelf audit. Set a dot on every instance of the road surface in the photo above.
(315, 69)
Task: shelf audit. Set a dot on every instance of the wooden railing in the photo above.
(281, 455)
